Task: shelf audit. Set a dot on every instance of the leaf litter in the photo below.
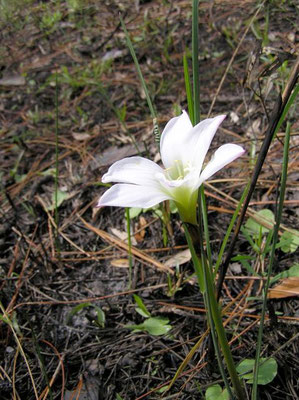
(45, 274)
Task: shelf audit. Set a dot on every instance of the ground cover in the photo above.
(65, 296)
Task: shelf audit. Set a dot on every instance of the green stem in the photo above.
(205, 274)
(217, 318)
(129, 246)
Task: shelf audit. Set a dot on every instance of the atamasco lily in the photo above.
(183, 147)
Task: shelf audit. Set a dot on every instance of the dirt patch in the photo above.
(54, 286)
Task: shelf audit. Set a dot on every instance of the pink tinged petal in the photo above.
(126, 195)
(136, 170)
(201, 137)
(223, 156)
(174, 139)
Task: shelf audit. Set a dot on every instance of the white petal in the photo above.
(201, 137)
(223, 156)
(174, 139)
(137, 170)
(126, 195)
(168, 184)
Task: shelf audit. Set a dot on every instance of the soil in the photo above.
(65, 68)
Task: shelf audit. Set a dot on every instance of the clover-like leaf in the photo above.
(255, 227)
(215, 392)
(266, 374)
(289, 241)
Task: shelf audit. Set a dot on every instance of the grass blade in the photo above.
(188, 89)
(286, 109)
(140, 75)
(195, 64)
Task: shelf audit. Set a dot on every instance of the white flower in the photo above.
(183, 148)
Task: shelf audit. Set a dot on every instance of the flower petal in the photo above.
(200, 140)
(174, 139)
(137, 170)
(223, 156)
(126, 195)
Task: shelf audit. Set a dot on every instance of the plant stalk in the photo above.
(203, 272)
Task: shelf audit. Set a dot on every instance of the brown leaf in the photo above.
(14, 80)
(289, 287)
(179, 258)
(80, 136)
(139, 236)
(122, 235)
(120, 263)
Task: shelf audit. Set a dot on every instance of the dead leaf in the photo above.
(80, 136)
(179, 258)
(120, 263)
(122, 235)
(113, 154)
(139, 236)
(15, 80)
(289, 287)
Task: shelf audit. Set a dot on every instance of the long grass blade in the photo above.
(195, 64)
(188, 89)
(286, 109)
(140, 75)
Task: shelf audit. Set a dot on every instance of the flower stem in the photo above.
(203, 272)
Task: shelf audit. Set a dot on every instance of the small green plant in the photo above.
(155, 326)
(293, 271)
(216, 392)
(50, 21)
(57, 199)
(259, 237)
(261, 32)
(266, 374)
(289, 241)
(75, 5)
(9, 12)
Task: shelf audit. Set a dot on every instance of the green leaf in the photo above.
(141, 309)
(154, 326)
(134, 212)
(289, 241)
(215, 392)
(142, 313)
(157, 326)
(255, 227)
(293, 271)
(172, 206)
(267, 370)
(61, 196)
(75, 310)
(101, 318)
(5, 320)
(162, 389)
